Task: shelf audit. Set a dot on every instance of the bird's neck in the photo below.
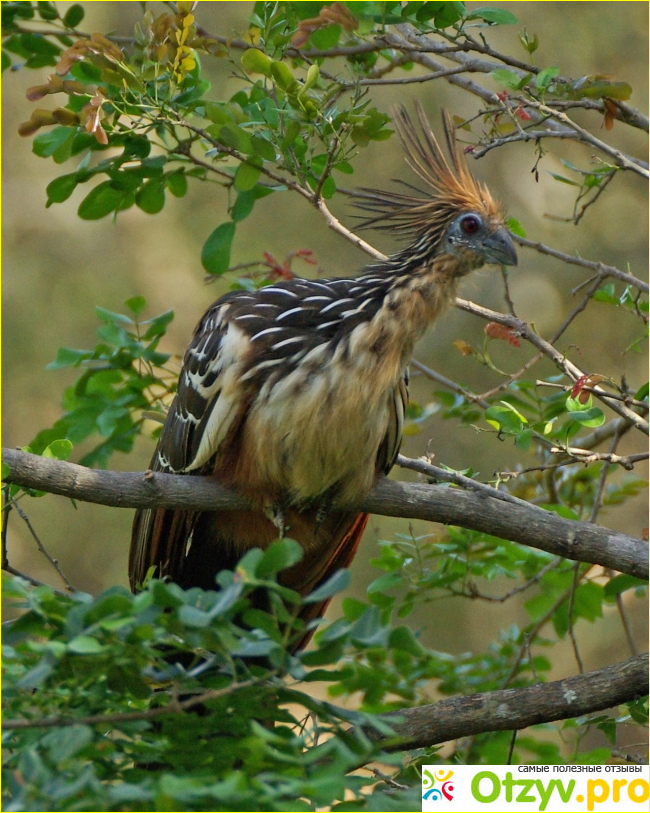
(411, 294)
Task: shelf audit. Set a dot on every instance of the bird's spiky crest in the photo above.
(452, 188)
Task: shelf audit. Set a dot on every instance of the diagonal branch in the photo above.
(569, 368)
(529, 525)
(514, 709)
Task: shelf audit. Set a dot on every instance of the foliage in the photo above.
(137, 122)
(128, 658)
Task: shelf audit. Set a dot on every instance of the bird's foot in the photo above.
(276, 515)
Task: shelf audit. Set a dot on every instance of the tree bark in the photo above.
(527, 524)
(511, 709)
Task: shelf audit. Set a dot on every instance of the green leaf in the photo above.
(61, 188)
(194, 617)
(279, 555)
(255, 61)
(151, 196)
(74, 15)
(46, 144)
(64, 743)
(68, 357)
(515, 227)
(243, 206)
(449, 14)
(403, 639)
(58, 450)
(263, 148)
(158, 325)
(619, 584)
(86, 645)
(607, 294)
(505, 418)
(369, 630)
(562, 179)
(524, 439)
(235, 137)
(248, 174)
(111, 317)
(384, 583)
(136, 304)
(281, 73)
(588, 601)
(589, 417)
(215, 255)
(544, 77)
(324, 38)
(497, 16)
(101, 201)
(507, 78)
(47, 11)
(335, 584)
(177, 183)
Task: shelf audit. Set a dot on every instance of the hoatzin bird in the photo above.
(294, 395)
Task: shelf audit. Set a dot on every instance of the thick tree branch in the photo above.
(529, 525)
(512, 709)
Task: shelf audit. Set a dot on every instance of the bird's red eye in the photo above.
(470, 224)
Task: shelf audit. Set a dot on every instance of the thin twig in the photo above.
(449, 384)
(585, 456)
(625, 621)
(30, 580)
(6, 508)
(54, 562)
(515, 590)
(339, 228)
(571, 631)
(511, 749)
(626, 399)
(599, 268)
(570, 369)
(422, 466)
(589, 138)
(175, 707)
(535, 628)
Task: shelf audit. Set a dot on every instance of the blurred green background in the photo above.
(57, 268)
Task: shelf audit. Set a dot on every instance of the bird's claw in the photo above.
(276, 515)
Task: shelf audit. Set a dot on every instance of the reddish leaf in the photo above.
(584, 381)
(611, 113)
(496, 331)
(522, 113)
(335, 14)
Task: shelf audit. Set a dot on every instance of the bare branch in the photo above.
(585, 136)
(529, 525)
(599, 268)
(514, 709)
(568, 367)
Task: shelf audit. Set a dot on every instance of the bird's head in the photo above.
(456, 218)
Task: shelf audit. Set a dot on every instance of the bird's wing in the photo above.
(389, 448)
(206, 411)
(210, 396)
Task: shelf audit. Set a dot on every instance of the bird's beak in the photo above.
(499, 249)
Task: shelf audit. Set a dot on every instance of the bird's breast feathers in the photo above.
(279, 407)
